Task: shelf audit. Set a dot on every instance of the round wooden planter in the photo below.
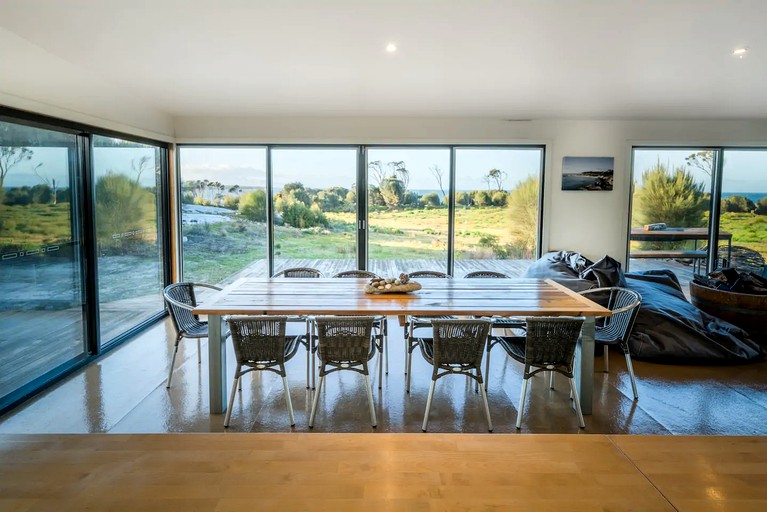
(747, 311)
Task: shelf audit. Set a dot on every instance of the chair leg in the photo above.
(385, 326)
(313, 352)
(487, 364)
(428, 406)
(314, 403)
(370, 402)
(231, 402)
(521, 403)
(487, 409)
(288, 400)
(476, 382)
(551, 380)
(172, 362)
(606, 357)
(199, 352)
(380, 362)
(408, 368)
(577, 404)
(241, 381)
(308, 362)
(631, 374)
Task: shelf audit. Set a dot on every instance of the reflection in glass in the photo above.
(315, 208)
(127, 178)
(223, 213)
(41, 292)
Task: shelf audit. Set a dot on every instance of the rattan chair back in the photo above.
(459, 342)
(182, 318)
(299, 272)
(429, 274)
(357, 274)
(260, 341)
(344, 341)
(624, 304)
(550, 344)
(486, 274)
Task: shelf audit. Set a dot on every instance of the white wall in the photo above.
(594, 223)
(35, 80)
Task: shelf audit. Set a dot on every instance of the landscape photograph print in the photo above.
(587, 172)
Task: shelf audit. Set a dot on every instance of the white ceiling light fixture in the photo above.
(740, 52)
(391, 48)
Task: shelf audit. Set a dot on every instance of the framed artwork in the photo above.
(587, 172)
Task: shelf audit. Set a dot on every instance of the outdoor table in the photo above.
(460, 297)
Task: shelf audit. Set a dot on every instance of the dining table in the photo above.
(458, 297)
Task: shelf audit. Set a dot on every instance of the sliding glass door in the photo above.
(252, 211)
(407, 212)
(42, 321)
(223, 213)
(743, 217)
(315, 208)
(497, 208)
(128, 215)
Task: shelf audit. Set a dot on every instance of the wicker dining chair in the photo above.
(344, 343)
(416, 322)
(456, 348)
(380, 324)
(303, 272)
(499, 322)
(549, 346)
(181, 299)
(616, 328)
(260, 345)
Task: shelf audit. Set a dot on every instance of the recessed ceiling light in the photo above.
(391, 47)
(740, 52)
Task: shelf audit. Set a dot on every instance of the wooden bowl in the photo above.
(395, 288)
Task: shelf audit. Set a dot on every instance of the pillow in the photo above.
(606, 272)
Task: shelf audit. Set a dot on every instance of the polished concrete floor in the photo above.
(124, 392)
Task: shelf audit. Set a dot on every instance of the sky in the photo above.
(324, 167)
(744, 170)
(576, 165)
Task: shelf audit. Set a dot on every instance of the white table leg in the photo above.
(216, 366)
(584, 365)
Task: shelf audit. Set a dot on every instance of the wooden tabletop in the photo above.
(671, 234)
(504, 297)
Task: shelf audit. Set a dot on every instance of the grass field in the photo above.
(213, 252)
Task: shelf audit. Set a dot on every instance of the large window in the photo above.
(223, 213)
(744, 209)
(249, 211)
(674, 189)
(73, 229)
(41, 284)
(408, 218)
(315, 208)
(497, 203)
(128, 184)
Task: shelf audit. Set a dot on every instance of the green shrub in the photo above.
(463, 199)
(522, 204)
(430, 199)
(481, 198)
(252, 205)
(673, 197)
(301, 216)
(761, 206)
(498, 198)
(737, 204)
(122, 205)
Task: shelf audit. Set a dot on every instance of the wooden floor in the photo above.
(391, 472)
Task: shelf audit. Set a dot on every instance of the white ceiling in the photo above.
(517, 59)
